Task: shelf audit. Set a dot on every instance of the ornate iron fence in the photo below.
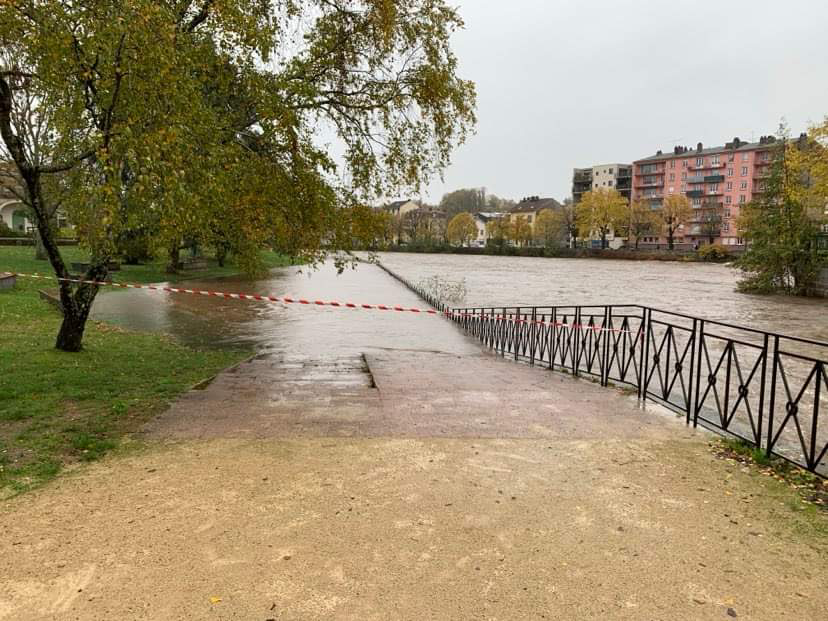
(765, 388)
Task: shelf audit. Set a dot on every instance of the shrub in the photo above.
(713, 252)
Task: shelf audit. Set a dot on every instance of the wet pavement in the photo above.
(379, 465)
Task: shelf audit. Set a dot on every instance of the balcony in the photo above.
(652, 184)
(695, 179)
(645, 173)
(695, 193)
(714, 192)
(714, 178)
(702, 167)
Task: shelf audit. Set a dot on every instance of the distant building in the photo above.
(609, 176)
(400, 208)
(718, 181)
(529, 208)
(12, 210)
(480, 221)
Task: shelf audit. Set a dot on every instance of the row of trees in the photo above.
(602, 211)
(599, 212)
(199, 119)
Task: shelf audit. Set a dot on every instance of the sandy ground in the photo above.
(411, 485)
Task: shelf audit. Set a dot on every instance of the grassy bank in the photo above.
(21, 259)
(58, 409)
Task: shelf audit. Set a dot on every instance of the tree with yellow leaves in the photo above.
(200, 121)
(521, 231)
(461, 229)
(673, 214)
(600, 211)
(549, 228)
(642, 220)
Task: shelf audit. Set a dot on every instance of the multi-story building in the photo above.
(608, 177)
(615, 176)
(718, 182)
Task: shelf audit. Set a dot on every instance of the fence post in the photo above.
(690, 394)
(606, 335)
(762, 390)
(699, 345)
(773, 392)
(645, 352)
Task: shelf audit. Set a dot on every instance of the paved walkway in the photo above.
(411, 484)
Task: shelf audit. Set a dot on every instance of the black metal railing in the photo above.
(765, 388)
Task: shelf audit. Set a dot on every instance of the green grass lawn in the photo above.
(21, 259)
(58, 408)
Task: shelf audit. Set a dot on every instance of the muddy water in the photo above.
(698, 289)
(310, 331)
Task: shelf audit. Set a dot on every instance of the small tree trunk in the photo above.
(40, 248)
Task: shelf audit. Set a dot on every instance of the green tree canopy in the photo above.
(781, 227)
(201, 120)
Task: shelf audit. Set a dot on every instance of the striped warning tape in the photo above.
(289, 300)
(235, 296)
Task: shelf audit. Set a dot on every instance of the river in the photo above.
(705, 290)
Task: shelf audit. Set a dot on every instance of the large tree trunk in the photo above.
(175, 257)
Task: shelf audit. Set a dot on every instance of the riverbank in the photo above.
(570, 253)
(59, 409)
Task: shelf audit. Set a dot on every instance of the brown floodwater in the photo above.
(701, 289)
(705, 290)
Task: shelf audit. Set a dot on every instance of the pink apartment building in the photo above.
(717, 181)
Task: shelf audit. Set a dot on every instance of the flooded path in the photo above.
(368, 465)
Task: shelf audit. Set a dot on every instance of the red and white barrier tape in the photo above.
(237, 296)
(289, 300)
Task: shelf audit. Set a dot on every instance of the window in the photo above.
(728, 200)
(729, 172)
(729, 186)
(743, 185)
(672, 163)
(715, 161)
(741, 199)
(609, 183)
(684, 163)
(745, 156)
(595, 185)
(727, 213)
(731, 157)
(672, 176)
(699, 161)
(683, 176)
(696, 202)
(726, 226)
(683, 187)
(744, 171)
(610, 171)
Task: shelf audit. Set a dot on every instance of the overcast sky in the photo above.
(573, 83)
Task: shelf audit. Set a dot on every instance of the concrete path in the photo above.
(411, 484)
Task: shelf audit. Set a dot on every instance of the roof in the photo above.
(486, 216)
(395, 206)
(727, 148)
(535, 203)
